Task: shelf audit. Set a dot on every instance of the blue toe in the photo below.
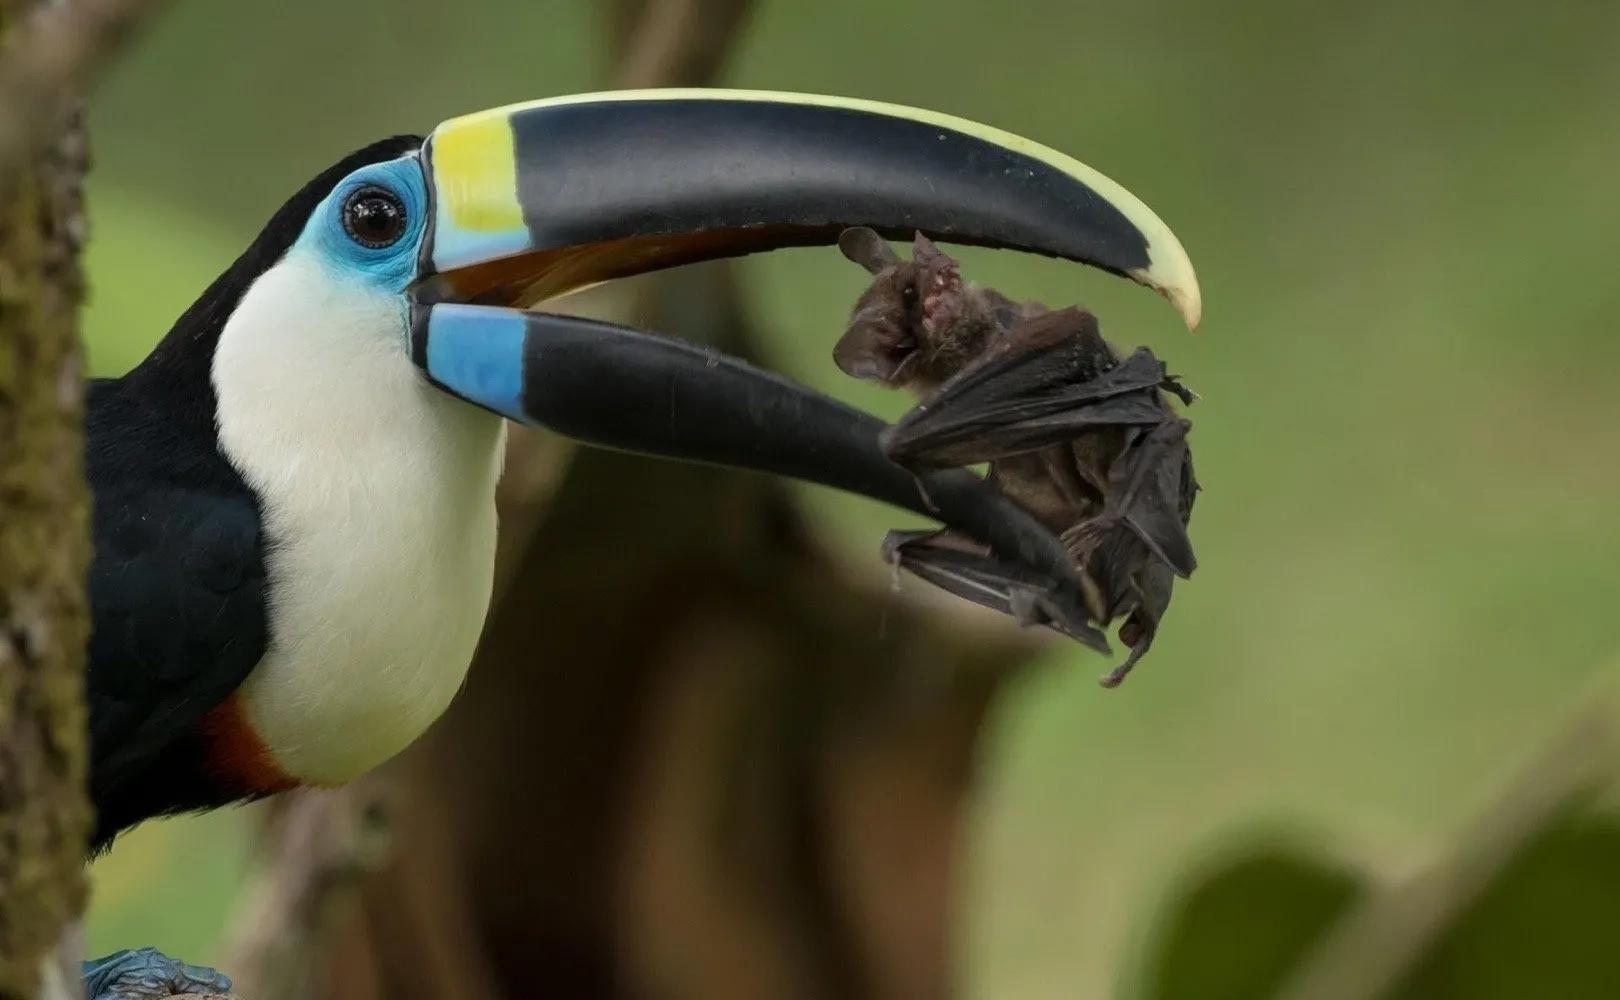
(147, 974)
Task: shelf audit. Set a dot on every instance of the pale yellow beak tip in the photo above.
(1179, 288)
(1188, 302)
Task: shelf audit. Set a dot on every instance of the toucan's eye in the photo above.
(374, 217)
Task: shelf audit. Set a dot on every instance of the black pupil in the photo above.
(374, 218)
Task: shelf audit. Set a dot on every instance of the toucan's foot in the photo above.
(148, 974)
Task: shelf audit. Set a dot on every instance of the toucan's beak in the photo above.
(534, 200)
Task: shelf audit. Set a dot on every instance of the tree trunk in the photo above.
(44, 812)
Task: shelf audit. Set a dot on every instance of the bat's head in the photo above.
(918, 323)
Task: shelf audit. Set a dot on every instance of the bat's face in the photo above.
(918, 323)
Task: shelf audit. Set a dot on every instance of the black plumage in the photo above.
(178, 587)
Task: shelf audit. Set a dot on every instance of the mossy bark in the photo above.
(44, 812)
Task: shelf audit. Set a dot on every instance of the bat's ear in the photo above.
(866, 248)
(927, 254)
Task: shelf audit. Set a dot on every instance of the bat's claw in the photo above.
(1137, 633)
(1172, 384)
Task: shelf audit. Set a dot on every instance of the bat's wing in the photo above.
(1050, 377)
(1134, 550)
(963, 568)
(1151, 488)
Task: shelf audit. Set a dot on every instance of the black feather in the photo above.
(178, 588)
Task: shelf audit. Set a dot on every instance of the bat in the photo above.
(1083, 438)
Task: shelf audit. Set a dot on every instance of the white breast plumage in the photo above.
(378, 496)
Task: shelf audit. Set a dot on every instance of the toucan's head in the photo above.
(426, 256)
(511, 206)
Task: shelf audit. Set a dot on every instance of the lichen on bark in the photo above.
(44, 550)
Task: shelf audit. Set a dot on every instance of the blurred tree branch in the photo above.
(320, 853)
(47, 60)
(670, 43)
(1380, 942)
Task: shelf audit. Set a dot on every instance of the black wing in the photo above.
(1049, 378)
(960, 566)
(1137, 546)
(1151, 490)
(177, 601)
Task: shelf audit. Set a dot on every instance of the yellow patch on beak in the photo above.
(475, 167)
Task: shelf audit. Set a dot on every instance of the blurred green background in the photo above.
(1404, 217)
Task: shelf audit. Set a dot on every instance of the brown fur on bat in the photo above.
(1081, 437)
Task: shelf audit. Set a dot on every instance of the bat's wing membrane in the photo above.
(963, 568)
(1051, 377)
(1151, 488)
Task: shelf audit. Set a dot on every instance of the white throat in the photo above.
(378, 495)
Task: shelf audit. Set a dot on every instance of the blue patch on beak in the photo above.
(476, 352)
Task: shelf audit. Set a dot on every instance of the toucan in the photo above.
(294, 513)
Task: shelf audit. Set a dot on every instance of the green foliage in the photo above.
(1237, 932)
(1541, 926)
(1544, 928)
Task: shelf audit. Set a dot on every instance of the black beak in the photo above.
(539, 199)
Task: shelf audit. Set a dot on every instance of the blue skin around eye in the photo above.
(392, 267)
